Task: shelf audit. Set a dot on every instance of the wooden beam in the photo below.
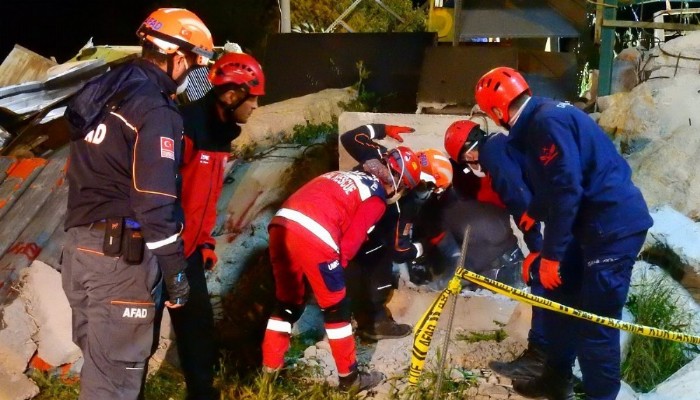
(669, 26)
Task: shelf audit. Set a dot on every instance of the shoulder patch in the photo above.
(167, 148)
(548, 154)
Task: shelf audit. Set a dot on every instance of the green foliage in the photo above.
(661, 255)
(450, 389)
(650, 361)
(309, 133)
(368, 16)
(365, 101)
(472, 337)
(53, 388)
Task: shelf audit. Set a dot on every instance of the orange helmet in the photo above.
(176, 29)
(404, 161)
(435, 167)
(497, 89)
(458, 134)
(239, 69)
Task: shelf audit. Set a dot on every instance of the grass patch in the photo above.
(660, 254)
(54, 388)
(309, 134)
(650, 361)
(472, 337)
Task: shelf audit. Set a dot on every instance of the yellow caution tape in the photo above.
(541, 302)
(427, 324)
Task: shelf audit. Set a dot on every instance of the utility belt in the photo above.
(122, 238)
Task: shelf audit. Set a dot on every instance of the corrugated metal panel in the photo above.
(514, 23)
(63, 81)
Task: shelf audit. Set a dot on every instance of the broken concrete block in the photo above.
(16, 386)
(48, 305)
(16, 332)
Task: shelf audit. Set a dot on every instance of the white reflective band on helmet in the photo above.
(308, 223)
(362, 188)
(370, 128)
(339, 333)
(279, 326)
(419, 249)
(425, 177)
(161, 243)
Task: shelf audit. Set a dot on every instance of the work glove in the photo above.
(549, 274)
(178, 289)
(527, 263)
(209, 258)
(526, 222)
(394, 131)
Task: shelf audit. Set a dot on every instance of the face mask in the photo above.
(183, 80)
(182, 84)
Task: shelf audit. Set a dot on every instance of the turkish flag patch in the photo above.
(167, 148)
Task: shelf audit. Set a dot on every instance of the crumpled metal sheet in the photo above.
(32, 97)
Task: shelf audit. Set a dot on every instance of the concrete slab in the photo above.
(430, 130)
(48, 305)
(16, 344)
(16, 386)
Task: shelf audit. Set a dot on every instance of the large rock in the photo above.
(683, 385)
(679, 56)
(16, 331)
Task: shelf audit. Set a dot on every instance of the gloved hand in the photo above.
(209, 258)
(526, 222)
(178, 290)
(549, 273)
(527, 263)
(394, 131)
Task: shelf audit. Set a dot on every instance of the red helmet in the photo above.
(497, 89)
(239, 69)
(176, 29)
(458, 134)
(435, 167)
(404, 162)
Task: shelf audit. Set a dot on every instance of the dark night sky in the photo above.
(61, 27)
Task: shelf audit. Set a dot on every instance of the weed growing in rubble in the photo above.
(473, 337)
(51, 387)
(650, 361)
(309, 134)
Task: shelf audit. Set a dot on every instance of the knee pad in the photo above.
(339, 312)
(288, 312)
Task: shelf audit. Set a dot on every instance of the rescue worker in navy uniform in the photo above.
(370, 275)
(318, 230)
(125, 145)
(479, 199)
(488, 155)
(211, 123)
(582, 191)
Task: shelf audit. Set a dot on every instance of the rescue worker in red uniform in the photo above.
(125, 144)
(211, 123)
(318, 230)
(583, 193)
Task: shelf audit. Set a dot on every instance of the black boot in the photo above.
(530, 364)
(384, 329)
(551, 385)
(358, 381)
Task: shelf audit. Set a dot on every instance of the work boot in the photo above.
(384, 329)
(551, 385)
(530, 364)
(358, 381)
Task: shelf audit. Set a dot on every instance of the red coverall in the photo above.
(315, 233)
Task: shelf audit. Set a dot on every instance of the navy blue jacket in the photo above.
(125, 144)
(503, 163)
(582, 186)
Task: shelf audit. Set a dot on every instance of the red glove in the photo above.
(526, 222)
(209, 257)
(393, 131)
(549, 273)
(527, 263)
